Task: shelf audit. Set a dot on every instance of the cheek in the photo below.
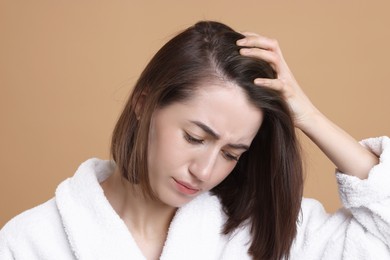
(166, 148)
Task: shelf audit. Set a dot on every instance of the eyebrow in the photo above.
(239, 146)
(216, 136)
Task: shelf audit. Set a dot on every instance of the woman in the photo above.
(206, 165)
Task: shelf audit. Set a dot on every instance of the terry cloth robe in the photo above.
(79, 223)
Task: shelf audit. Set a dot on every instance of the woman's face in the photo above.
(194, 145)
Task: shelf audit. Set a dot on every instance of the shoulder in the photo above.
(313, 214)
(37, 221)
(35, 231)
(310, 206)
(31, 219)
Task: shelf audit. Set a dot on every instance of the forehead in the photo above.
(225, 108)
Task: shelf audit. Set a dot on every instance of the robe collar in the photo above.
(95, 231)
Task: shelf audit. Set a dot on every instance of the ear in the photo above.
(139, 105)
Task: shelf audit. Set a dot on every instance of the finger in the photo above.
(261, 54)
(249, 34)
(258, 41)
(275, 84)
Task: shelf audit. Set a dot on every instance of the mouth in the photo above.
(185, 188)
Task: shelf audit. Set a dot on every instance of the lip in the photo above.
(185, 187)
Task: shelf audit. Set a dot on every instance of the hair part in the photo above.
(264, 190)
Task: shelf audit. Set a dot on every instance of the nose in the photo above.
(203, 165)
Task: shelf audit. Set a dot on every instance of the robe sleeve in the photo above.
(369, 200)
(359, 230)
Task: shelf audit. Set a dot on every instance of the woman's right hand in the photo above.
(267, 49)
(343, 150)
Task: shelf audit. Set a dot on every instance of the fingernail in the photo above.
(245, 51)
(241, 41)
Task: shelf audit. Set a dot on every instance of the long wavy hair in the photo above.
(264, 190)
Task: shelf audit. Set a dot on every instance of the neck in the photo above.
(144, 217)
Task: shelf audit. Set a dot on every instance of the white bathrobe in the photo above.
(79, 223)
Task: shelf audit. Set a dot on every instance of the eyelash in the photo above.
(230, 157)
(193, 140)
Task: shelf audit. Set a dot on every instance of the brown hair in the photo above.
(265, 187)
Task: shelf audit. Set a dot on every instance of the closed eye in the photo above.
(192, 140)
(229, 156)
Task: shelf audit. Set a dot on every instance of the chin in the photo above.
(177, 200)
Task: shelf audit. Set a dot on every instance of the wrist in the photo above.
(309, 120)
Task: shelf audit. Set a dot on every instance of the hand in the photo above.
(268, 50)
(348, 156)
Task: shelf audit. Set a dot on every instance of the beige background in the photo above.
(66, 68)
